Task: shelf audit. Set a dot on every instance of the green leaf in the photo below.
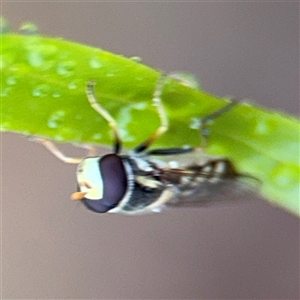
(43, 94)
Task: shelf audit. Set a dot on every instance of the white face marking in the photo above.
(89, 178)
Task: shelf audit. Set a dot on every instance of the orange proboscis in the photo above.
(78, 195)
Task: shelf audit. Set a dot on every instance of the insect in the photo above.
(146, 180)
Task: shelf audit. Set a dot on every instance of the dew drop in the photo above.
(35, 59)
(126, 137)
(97, 136)
(263, 127)
(40, 91)
(66, 68)
(41, 56)
(29, 28)
(285, 176)
(56, 119)
(126, 115)
(186, 79)
(195, 123)
(140, 106)
(5, 91)
(72, 85)
(136, 59)
(95, 63)
(11, 80)
(56, 94)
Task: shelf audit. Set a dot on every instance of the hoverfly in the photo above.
(139, 182)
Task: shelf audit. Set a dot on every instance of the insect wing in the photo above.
(204, 185)
(207, 194)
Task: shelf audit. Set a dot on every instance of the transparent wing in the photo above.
(194, 186)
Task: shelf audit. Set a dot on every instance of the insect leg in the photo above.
(203, 122)
(170, 151)
(164, 123)
(56, 152)
(184, 79)
(105, 114)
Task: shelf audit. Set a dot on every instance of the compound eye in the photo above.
(114, 179)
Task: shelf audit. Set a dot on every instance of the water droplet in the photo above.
(126, 137)
(41, 56)
(97, 136)
(95, 63)
(136, 59)
(263, 126)
(186, 79)
(11, 80)
(56, 119)
(140, 106)
(72, 85)
(40, 91)
(5, 91)
(285, 176)
(195, 123)
(35, 59)
(66, 68)
(56, 94)
(29, 28)
(126, 115)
